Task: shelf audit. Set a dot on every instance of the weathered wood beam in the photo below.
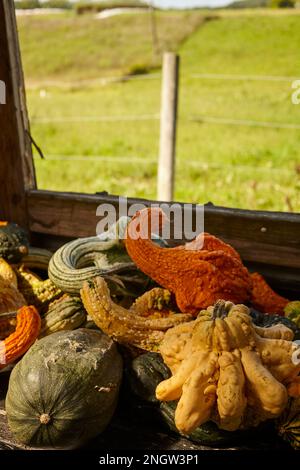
(264, 237)
(16, 163)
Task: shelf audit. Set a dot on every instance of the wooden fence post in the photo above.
(168, 123)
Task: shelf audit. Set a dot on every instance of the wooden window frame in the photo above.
(268, 241)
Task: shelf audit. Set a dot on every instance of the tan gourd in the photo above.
(226, 369)
(10, 297)
(142, 326)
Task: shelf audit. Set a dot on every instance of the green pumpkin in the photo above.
(13, 242)
(65, 389)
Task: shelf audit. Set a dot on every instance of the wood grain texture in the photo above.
(16, 164)
(266, 237)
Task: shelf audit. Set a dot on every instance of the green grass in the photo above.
(237, 166)
(72, 47)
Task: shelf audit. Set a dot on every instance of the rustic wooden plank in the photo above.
(265, 237)
(16, 164)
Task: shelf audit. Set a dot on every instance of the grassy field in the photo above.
(237, 165)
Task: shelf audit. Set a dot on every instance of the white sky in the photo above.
(183, 3)
(190, 3)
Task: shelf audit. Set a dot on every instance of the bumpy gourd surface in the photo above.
(28, 325)
(128, 326)
(226, 369)
(199, 272)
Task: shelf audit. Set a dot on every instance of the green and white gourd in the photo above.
(104, 255)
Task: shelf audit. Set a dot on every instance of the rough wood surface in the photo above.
(16, 165)
(74, 214)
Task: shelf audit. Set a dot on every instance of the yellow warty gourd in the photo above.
(226, 369)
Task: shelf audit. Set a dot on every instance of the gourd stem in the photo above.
(221, 309)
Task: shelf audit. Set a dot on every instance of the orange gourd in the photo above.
(26, 332)
(199, 272)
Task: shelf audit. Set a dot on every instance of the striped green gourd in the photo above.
(37, 258)
(104, 255)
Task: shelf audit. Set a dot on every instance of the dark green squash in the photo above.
(144, 373)
(64, 390)
(14, 242)
(266, 320)
(207, 434)
(289, 423)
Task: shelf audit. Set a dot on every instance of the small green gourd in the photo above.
(66, 313)
(292, 312)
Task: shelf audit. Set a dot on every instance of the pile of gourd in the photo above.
(213, 369)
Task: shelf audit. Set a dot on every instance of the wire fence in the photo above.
(102, 81)
(155, 117)
(200, 119)
(133, 160)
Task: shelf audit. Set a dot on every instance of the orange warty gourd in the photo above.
(264, 298)
(26, 332)
(199, 272)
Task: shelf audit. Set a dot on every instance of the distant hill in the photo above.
(81, 5)
(98, 6)
(248, 4)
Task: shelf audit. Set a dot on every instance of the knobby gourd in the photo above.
(199, 272)
(66, 313)
(64, 390)
(227, 370)
(13, 242)
(10, 297)
(36, 291)
(140, 326)
(143, 374)
(7, 273)
(264, 299)
(28, 324)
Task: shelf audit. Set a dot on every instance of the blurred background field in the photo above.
(238, 131)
